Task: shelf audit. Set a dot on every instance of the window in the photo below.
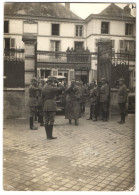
(79, 30)
(127, 45)
(55, 29)
(105, 28)
(78, 45)
(55, 46)
(9, 43)
(128, 29)
(121, 46)
(113, 47)
(6, 26)
(6, 43)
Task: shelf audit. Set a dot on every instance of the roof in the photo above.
(49, 10)
(113, 12)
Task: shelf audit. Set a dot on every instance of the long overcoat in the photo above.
(72, 108)
(122, 94)
(33, 96)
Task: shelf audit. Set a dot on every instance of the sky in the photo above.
(85, 9)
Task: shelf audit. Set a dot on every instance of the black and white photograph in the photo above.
(69, 90)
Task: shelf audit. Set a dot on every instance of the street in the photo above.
(94, 156)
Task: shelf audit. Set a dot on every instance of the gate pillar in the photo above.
(30, 68)
(30, 57)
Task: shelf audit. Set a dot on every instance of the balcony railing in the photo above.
(14, 55)
(63, 57)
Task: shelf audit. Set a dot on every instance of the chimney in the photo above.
(67, 5)
(127, 10)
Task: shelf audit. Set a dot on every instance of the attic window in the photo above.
(105, 28)
(55, 29)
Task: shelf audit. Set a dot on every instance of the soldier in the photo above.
(94, 98)
(40, 102)
(83, 97)
(72, 108)
(48, 95)
(104, 99)
(33, 101)
(90, 87)
(122, 99)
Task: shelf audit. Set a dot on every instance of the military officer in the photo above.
(72, 108)
(104, 99)
(90, 87)
(122, 99)
(40, 102)
(48, 95)
(33, 101)
(94, 98)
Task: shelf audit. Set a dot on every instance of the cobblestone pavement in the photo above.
(94, 156)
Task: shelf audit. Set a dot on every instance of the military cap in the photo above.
(34, 79)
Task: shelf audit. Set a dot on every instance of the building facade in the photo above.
(64, 40)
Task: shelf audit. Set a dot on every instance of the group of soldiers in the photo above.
(42, 100)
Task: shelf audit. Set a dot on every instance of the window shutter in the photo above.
(12, 43)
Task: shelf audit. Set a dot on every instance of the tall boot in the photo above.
(31, 122)
(76, 122)
(51, 132)
(47, 131)
(123, 118)
(32, 127)
(41, 120)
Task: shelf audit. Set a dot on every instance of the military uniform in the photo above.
(33, 102)
(122, 99)
(48, 95)
(72, 108)
(94, 98)
(104, 100)
(40, 104)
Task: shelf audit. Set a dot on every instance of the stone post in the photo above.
(29, 65)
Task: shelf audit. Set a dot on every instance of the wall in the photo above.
(16, 26)
(14, 103)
